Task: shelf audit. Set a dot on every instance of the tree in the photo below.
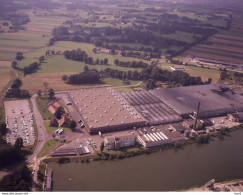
(17, 83)
(105, 61)
(3, 129)
(64, 77)
(86, 68)
(73, 124)
(102, 146)
(116, 61)
(19, 56)
(19, 180)
(46, 86)
(51, 93)
(19, 143)
(39, 93)
(58, 113)
(41, 59)
(25, 93)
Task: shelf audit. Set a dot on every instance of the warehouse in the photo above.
(159, 135)
(216, 100)
(102, 109)
(151, 107)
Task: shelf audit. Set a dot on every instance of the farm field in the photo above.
(34, 82)
(73, 66)
(204, 73)
(36, 35)
(6, 74)
(225, 45)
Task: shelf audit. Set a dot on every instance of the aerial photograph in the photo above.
(121, 96)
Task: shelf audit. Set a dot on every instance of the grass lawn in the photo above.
(133, 150)
(47, 147)
(113, 152)
(43, 104)
(204, 73)
(125, 89)
(51, 129)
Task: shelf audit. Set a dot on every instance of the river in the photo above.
(168, 170)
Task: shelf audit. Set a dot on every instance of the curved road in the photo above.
(43, 136)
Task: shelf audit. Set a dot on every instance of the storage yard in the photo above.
(103, 109)
(19, 121)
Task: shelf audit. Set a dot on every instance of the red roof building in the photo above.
(64, 121)
(54, 123)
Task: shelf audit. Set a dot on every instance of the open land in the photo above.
(132, 32)
(226, 45)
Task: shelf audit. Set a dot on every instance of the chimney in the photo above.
(195, 125)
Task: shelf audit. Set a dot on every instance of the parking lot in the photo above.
(19, 121)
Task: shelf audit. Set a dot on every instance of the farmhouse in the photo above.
(177, 68)
(64, 121)
(54, 122)
(105, 51)
(53, 108)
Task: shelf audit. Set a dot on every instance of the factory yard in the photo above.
(19, 121)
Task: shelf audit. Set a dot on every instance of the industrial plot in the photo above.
(154, 117)
(19, 121)
(103, 109)
(151, 107)
(215, 100)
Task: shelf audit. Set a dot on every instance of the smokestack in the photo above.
(195, 125)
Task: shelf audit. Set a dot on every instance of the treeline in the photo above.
(82, 56)
(86, 77)
(132, 64)
(33, 67)
(9, 154)
(152, 74)
(15, 91)
(98, 36)
(19, 180)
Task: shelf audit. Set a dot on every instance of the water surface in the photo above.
(162, 171)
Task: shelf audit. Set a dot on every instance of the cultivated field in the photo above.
(224, 46)
(36, 35)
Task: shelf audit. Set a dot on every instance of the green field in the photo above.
(47, 147)
(52, 129)
(204, 73)
(43, 104)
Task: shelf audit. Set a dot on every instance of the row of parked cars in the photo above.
(23, 127)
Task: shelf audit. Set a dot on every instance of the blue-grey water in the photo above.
(168, 170)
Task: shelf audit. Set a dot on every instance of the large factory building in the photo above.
(102, 109)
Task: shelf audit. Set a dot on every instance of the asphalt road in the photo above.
(42, 135)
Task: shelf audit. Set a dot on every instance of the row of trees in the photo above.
(15, 91)
(86, 77)
(19, 180)
(82, 56)
(132, 64)
(10, 154)
(33, 67)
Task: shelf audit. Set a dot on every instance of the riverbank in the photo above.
(235, 185)
(169, 170)
(139, 150)
(132, 152)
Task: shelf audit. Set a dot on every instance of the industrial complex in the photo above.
(103, 109)
(152, 118)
